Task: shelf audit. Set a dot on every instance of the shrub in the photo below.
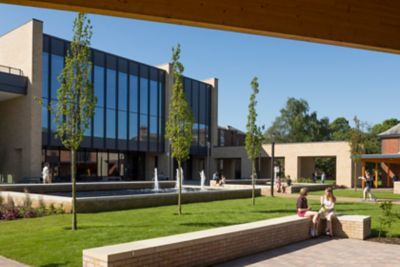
(10, 212)
(387, 218)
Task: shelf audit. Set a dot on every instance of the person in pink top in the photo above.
(303, 210)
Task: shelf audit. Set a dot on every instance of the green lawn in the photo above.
(47, 241)
(379, 193)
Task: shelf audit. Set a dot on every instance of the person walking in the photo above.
(368, 186)
(323, 176)
(46, 174)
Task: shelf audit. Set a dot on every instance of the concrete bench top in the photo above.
(144, 247)
(121, 251)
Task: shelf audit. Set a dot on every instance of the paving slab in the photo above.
(325, 252)
(4, 262)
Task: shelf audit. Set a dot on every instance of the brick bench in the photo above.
(396, 187)
(218, 245)
(352, 226)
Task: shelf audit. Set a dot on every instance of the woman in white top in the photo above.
(327, 210)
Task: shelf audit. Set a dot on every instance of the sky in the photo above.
(336, 81)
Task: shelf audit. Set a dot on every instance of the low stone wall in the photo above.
(208, 247)
(95, 204)
(295, 188)
(109, 203)
(97, 186)
(396, 187)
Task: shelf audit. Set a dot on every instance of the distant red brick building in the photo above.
(390, 146)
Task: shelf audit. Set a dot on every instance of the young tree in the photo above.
(76, 102)
(254, 135)
(180, 120)
(356, 140)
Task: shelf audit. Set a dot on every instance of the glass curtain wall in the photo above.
(198, 95)
(129, 113)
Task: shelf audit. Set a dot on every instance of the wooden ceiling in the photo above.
(367, 24)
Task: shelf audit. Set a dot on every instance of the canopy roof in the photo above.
(381, 158)
(392, 132)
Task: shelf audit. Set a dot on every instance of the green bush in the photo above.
(387, 218)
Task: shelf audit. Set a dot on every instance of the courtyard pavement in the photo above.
(323, 252)
(4, 262)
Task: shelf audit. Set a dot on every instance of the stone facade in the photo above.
(396, 188)
(298, 158)
(20, 123)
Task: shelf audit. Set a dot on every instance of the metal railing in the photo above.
(11, 70)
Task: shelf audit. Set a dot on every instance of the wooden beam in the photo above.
(367, 24)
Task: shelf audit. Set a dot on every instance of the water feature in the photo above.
(156, 183)
(202, 180)
(177, 179)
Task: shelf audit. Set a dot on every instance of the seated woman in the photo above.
(327, 210)
(303, 210)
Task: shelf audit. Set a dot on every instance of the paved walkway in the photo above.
(4, 262)
(325, 252)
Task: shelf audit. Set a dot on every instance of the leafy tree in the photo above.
(254, 136)
(180, 120)
(296, 124)
(356, 140)
(339, 129)
(76, 102)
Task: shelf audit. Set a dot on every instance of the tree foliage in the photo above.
(296, 124)
(254, 135)
(180, 120)
(339, 129)
(75, 100)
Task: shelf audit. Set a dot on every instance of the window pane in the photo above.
(110, 123)
(153, 98)
(122, 125)
(53, 116)
(203, 106)
(133, 84)
(195, 99)
(111, 92)
(99, 85)
(188, 89)
(143, 128)
(45, 75)
(45, 118)
(122, 91)
(133, 120)
(153, 129)
(143, 95)
(57, 64)
(99, 122)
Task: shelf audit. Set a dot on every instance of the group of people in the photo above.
(315, 176)
(282, 184)
(326, 210)
(219, 178)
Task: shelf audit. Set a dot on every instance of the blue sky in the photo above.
(335, 81)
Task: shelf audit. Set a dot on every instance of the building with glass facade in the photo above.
(125, 140)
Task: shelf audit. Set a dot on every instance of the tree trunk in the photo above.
(355, 175)
(253, 181)
(180, 188)
(73, 182)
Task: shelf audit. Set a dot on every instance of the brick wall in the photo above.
(216, 245)
(390, 145)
